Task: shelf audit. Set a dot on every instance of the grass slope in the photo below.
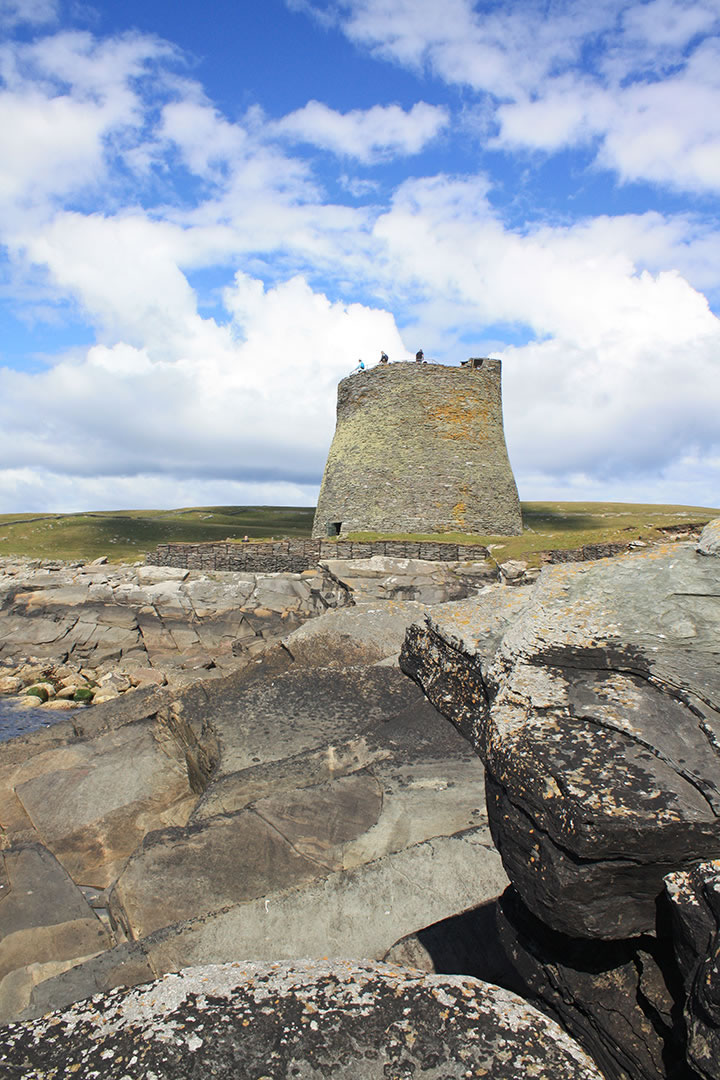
(553, 525)
(126, 535)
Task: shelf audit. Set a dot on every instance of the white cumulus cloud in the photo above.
(250, 402)
(365, 134)
(639, 80)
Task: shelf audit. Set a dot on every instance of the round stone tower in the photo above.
(419, 448)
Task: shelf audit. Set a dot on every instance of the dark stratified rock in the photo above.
(305, 1021)
(597, 715)
(595, 706)
(613, 996)
(695, 900)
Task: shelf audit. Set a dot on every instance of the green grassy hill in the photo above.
(126, 535)
(552, 525)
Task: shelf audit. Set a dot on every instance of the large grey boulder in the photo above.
(597, 715)
(594, 701)
(303, 1020)
(709, 542)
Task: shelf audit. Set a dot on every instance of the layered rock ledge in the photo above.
(310, 801)
(77, 632)
(593, 700)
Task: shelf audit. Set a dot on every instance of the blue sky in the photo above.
(209, 213)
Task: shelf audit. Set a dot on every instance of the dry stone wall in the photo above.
(419, 448)
(294, 556)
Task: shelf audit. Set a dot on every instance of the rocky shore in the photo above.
(104, 630)
(293, 794)
(75, 633)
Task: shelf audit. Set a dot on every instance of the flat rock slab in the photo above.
(362, 634)
(384, 578)
(91, 801)
(596, 709)
(306, 1021)
(387, 778)
(182, 873)
(300, 709)
(46, 925)
(360, 912)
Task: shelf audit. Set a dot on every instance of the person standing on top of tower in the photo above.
(383, 358)
(419, 356)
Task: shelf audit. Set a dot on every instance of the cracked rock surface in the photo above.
(249, 1021)
(284, 810)
(126, 626)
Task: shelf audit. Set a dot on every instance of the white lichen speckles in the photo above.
(289, 1009)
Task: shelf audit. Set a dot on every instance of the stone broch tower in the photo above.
(419, 448)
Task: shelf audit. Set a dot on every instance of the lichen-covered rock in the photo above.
(595, 705)
(303, 1020)
(695, 898)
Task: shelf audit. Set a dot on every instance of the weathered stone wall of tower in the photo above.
(419, 448)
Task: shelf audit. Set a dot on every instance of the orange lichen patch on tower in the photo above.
(461, 419)
(459, 510)
(458, 513)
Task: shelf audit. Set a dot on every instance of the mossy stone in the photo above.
(84, 693)
(37, 691)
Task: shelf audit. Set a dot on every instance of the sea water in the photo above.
(16, 719)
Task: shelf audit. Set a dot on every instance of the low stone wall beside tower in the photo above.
(419, 448)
